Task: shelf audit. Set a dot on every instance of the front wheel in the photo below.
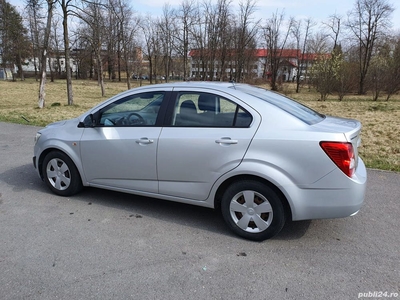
(252, 210)
(61, 174)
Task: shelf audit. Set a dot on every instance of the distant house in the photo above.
(82, 63)
(5, 74)
(288, 63)
(57, 64)
(289, 60)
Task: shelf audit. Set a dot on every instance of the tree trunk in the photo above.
(51, 72)
(361, 85)
(67, 54)
(100, 73)
(128, 78)
(42, 93)
(20, 72)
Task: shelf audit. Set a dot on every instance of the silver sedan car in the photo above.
(259, 157)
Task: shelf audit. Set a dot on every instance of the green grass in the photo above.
(380, 147)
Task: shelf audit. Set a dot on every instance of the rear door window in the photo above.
(195, 109)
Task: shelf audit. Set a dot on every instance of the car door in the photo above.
(207, 137)
(120, 150)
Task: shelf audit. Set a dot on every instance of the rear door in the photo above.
(201, 145)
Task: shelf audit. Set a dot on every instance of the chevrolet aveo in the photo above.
(259, 157)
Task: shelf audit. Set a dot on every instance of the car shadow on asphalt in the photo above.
(183, 214)
(24, 178)
(293, 230)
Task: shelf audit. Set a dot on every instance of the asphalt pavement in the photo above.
(108, 245)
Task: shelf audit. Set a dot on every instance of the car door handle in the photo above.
(144, 141)
(226, 141)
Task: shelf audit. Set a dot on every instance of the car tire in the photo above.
(253, 210)
(60, 174)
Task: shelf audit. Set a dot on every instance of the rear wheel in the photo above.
(61, 174)
(253, 210)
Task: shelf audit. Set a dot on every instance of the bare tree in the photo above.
(376, 75)
(83, 55)
(34, 16)
(127, 30)
(167, 29)
(342, 70)
(200, 44)
(384, 74)
(334, 27)
(214, 40)
(132, 53)
(186, 15)
(247, 31)
(56, 49)
(225, 32)
(343, 76)
(66, 5)
(42, 94)
(302, 40)
(157, 54)
(92, 15)
(112, 24)
(393, 72)
(216, 25)
(276, 38)
(318, 43)
(368, 21)
(151, 51)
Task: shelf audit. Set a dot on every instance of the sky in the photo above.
(317, 10)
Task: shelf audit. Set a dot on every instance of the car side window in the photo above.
(135, 110)
(208, 110)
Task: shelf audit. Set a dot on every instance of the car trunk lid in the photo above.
(350, 128)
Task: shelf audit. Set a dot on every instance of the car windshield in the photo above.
(296, 109)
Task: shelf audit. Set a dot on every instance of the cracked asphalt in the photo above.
(108, 245)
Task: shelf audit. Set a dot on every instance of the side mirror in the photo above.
(89, 121)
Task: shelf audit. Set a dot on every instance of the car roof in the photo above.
(194, 84)
(227, 87)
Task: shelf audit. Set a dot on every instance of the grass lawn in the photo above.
(380, 147)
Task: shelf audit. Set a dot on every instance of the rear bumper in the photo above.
(334, 196)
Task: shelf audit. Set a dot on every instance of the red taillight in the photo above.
(342, 154)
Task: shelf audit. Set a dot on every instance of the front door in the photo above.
(125, 140)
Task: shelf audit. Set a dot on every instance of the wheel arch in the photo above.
(46, 151)
(224, 185)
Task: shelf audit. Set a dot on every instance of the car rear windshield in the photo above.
(294, 108)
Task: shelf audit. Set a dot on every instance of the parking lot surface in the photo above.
(108, 245)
